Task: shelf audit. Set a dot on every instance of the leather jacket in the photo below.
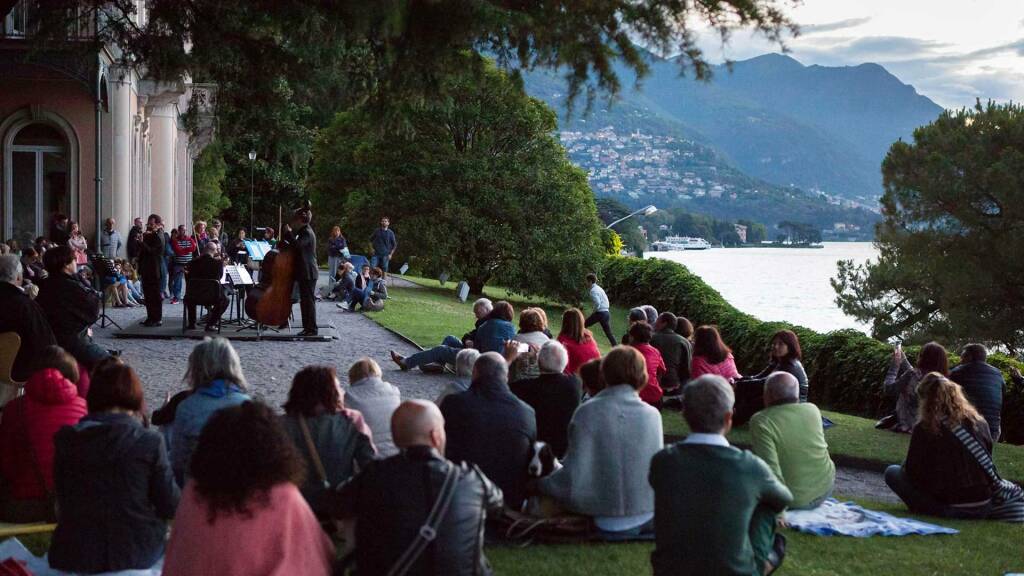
(390, 500)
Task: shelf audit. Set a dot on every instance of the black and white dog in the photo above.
(542, 461)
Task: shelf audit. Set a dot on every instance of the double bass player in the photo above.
(302, 242)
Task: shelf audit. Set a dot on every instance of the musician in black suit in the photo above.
(151, 257)
(207, 267)
(302, 242)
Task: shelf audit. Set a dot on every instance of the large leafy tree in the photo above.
(480, 188)
(950, 245)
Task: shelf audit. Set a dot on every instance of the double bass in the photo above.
(270, 302)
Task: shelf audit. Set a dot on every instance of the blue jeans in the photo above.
(163, 276)
(356, 296)
(452, 342)
(178, 283)
(382, 260)
(435, 355)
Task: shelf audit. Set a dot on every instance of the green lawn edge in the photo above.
(429, 312)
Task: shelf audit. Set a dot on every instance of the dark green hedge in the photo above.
(845, 367)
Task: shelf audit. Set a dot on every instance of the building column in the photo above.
(120, 207)
(163, 132)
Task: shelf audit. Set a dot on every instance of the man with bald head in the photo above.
(394, 498)
(789, 437)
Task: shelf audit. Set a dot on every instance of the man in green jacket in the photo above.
(715, 506)
(675, 350)
(788, 436)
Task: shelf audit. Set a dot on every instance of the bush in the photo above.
(846, 368)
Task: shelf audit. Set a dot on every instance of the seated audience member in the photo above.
(376, 400)
(207, 267)
(675, 351)
(464, 362)
(391, 501)
(591, 379)
(553, 395)
(356, 290)
(450, 346)
(684, 327)
(578, 341)
(343, 285)
(640, 338)
(23, 316)
(481, 310)
(982, 384)
(216, 380)
(635, 315)
(32, 268)
(488, 426)
(27, 428)
(651, 313)
(56, 357)
(612, 438)
(784, 356)
(241, 512)
(497, 329)
(115, 490)
(902, 378)
(715, 505)
(523, 365)
(788, 436)
(948, 471)
(328, 437)
(712, 356)
(376, 289)
(70, 307)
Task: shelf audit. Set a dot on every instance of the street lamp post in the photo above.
(646, 211)
(252, 185)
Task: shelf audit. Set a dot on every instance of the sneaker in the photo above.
(342, 305)
(174, 300)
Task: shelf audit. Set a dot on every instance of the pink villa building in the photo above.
(74, 130)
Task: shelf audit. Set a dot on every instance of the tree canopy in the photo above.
(950, 245)
(480, 188)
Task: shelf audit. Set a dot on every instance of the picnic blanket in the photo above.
(835, 518)
(13, 548)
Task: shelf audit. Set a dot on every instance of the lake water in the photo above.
(788, 284)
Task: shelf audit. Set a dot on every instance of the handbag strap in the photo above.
(978, 452)
(311, 448)
(32, 450)
(428, 531)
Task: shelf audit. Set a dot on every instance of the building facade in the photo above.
(87, 138)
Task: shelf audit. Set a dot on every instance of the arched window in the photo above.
(39, 185)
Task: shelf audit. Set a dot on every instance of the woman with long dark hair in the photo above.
(578, 341)
(711, 355)
(902, 378)
(948, 470)
(242, 513)
(784, 356)
(334, 441)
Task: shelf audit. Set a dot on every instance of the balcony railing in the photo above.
(22, 22)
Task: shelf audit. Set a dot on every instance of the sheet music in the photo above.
(238, 275)
(256, 249)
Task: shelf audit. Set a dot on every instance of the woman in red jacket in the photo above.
(578, 341)
(712, 356)
(51, 401)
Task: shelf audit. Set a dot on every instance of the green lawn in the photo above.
(980, 548)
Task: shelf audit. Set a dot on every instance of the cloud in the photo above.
(808, 29)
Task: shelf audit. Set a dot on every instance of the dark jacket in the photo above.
(492, 335)
(134, 246)
(336, 246)
(341, 449)
(554, 398)
(383, 241)
(151, 258)
(704, 499)
(792, 366)
(676, 351)
(206, 267)
(303, 244)
(983, 385)
(471, 335)
(939, 466)
(391, 499)
(114, 491)
(488, 426)
(23, 315)
(70, 307)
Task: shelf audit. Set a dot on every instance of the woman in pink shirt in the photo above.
(578, 341)
(711, 355)
(640, 338)
(241, 512)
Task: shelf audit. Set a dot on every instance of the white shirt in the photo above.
(707, 439)
(599, 297)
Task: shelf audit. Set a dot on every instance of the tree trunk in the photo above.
(476, 285)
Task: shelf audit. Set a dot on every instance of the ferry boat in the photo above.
(674, 243)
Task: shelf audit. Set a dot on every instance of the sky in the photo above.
(952, 51)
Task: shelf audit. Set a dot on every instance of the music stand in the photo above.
(103, 267)
(238, 277)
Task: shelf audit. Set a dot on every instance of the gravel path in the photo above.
(269, 367)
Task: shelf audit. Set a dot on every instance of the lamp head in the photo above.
(650, 210)
(252, 155)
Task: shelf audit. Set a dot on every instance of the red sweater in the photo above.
(652, 393)
(726, 368)
(579, 354)
(50, 403)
